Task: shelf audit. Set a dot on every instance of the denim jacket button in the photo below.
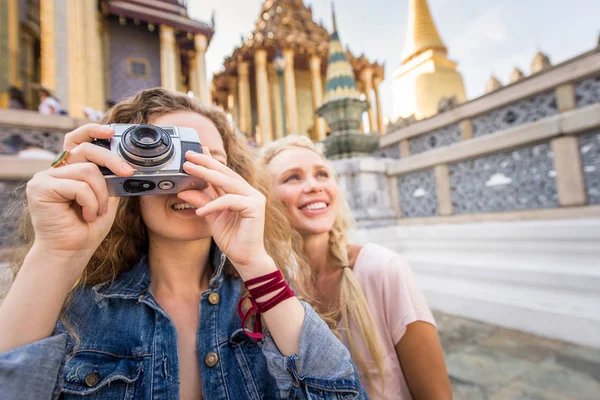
(92, 379)
(213, 298)
(211, 359)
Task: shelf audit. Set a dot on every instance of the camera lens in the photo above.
(146, 146)
(146, 138)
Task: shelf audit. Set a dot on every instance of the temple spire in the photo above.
(340, 76)
(421, 35)
(333, 16)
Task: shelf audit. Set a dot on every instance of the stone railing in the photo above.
(571, 85)
(529, 150)
(19, 129)
(553, 163)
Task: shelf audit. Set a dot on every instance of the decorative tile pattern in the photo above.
(522, 112)
(589, 146)
(13, 140)
(133, 42)
(8, 212)
(438, 138)
(587, 91)
(418, 196)
(391, 151)
(514, 180)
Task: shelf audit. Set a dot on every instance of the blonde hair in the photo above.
(128, 237)
(353, 304)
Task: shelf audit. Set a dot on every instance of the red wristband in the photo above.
(266, 285)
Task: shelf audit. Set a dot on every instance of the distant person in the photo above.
(50, 104)
(109, 104)
(16, 101)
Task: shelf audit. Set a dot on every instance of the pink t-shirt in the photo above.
(395, 301)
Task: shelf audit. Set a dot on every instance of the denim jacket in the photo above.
(128, 350)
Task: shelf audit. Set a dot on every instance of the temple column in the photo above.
(277, 117)
(193, 75)
(232, 100)
(244, 104)
(262, 96)
(47, 47)
(76, 58)
(367, 78)
(377, 82)
(202, 91)
(168, 69)
(291, 104)
(13, 43)
(92, 73)
(317, 95)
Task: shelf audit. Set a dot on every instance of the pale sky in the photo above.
(484, 36)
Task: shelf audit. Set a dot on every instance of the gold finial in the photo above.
(422, 34)
(333, 16)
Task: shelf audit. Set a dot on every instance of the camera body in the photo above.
(157, 154)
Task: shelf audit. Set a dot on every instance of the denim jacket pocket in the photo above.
(94, 374)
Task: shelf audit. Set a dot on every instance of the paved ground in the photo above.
(487, 362)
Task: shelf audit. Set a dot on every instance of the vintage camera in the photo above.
(157, 153)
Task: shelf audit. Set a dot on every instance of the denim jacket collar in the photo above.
(136, 282)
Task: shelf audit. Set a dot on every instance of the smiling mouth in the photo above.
(183, 206)
(320, 205)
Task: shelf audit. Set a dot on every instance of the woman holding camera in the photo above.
(381, 314)
(146, 289)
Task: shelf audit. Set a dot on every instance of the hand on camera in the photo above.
(234, 210)
(70, 207)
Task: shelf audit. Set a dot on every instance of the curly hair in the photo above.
(353, 304)
(128, 237)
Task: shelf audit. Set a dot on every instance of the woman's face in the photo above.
(303, 182)
(166, 215)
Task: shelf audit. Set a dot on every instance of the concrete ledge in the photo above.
(571, 122)
(524, 215)
(16, 168)
(578, 69)
(32, 119)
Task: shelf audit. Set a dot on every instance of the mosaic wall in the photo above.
(418, 197)
(8, 212)
(587, 92)
(391, 151)
(518, 113)
(589, 146)
(13, 140)
(130, 41)
(520, 179)
(438, 138)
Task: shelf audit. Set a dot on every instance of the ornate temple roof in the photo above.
(340, 76)
(160, 12)
(289, 24)
(422, 34)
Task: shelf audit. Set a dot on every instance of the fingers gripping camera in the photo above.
(157, 153)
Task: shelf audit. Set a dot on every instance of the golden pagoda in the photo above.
(269, 96)
(426, 75)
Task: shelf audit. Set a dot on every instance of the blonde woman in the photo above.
(139, 297)
(382, 315)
